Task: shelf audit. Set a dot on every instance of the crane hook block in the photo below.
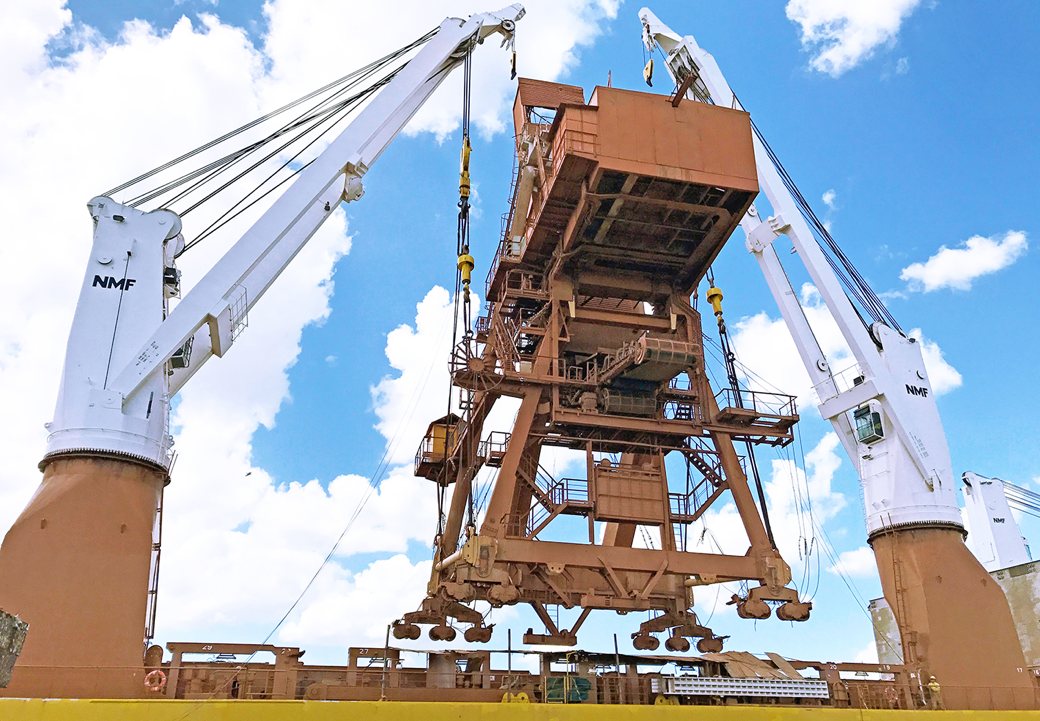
(714, 296)
(466, 265)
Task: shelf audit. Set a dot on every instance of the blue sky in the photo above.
(926, 141)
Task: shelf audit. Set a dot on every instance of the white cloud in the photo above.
(342, 613)
(23, 38)
(858, 562)
(841, 34)
(958, 267)
(238, 546)
(902, 66)
(943, 376)
(868, 654)
(405, 403)
(830, 200)
(790, 491)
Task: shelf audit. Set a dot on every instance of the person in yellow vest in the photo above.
(935, 702)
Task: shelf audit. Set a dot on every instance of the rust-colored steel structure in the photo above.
(620, 206)
(979, 660)
(76, 564)
(468, 675)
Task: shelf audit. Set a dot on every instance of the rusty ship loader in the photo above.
(620, 204)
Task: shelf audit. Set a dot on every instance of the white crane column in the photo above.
(941, 595)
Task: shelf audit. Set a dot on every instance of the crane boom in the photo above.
(118, 401)
(895, 437)
(890, 370)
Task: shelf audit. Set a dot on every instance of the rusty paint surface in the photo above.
(932, 582)
(95, 710)
(75, 567)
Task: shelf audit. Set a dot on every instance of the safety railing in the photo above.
(493, 448)
(501, 253)
(676, 410)
(234, 679)
(570, 491)
(838, 383)
(240, 679)
(761, 402)
(524, 281)
(684, 506)
(504, 331)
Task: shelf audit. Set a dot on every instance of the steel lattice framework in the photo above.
(619, 207)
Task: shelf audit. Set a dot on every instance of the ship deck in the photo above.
(163, 710)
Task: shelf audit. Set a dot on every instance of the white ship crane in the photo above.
(84, 546)
(883, 410)
(118, 400)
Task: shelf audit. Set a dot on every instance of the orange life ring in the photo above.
(155, 681)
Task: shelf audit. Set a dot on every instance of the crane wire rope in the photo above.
(854, 284)
(209, 171)
(462, 306)
(843, 267)
(305, 123)
(803, 489)
(811, 516)
(312, 115)
(839, 568)
(463, 253)
(336, 114)
(1022, 499)
(729, 358)
(346, 79)
(725, 354)
(448, 440)
(800, 505)
(706, 530)
(235, 210)
(848, 275)
(377, 478)
(747, 370)
(309, 120)
(800, 462)
(312, 119)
